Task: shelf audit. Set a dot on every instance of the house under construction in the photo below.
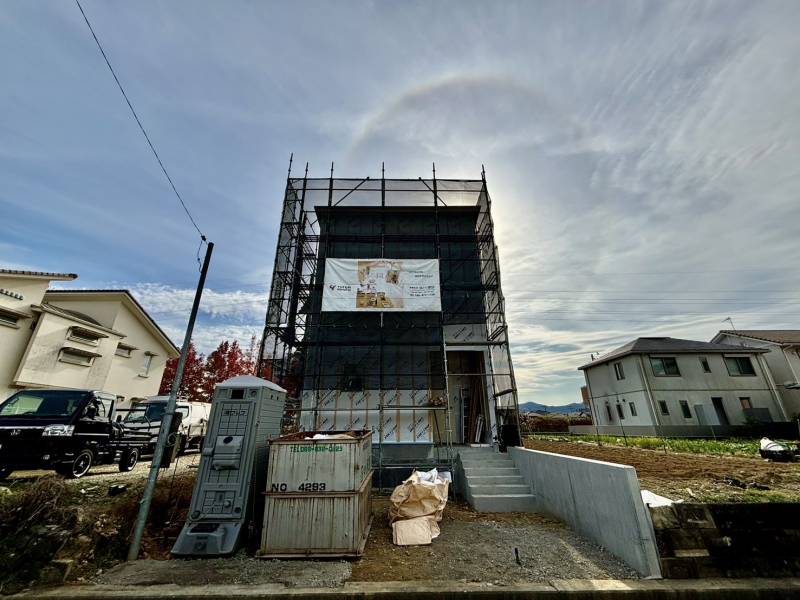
(386, 313)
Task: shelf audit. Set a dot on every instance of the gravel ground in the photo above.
(480, 547)
(106, 475)
(474, 547)
(239, 569)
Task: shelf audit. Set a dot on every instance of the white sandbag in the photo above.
(419, 531)
(770, 446)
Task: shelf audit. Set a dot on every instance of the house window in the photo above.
(608, 412)
(739, 366)
(124, 350)
(10, 317)
(687, 412)
(664, 366)
(85, 336)
(620, 412)
(618, 371)
(662, 404)
(76, 356)
(633, 409)
(704, 363)
(745, 402)
(147, 362)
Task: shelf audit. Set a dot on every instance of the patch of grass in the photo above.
(727, 447)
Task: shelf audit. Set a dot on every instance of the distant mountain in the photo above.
(567, 409)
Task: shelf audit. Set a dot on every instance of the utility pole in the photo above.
(166, 423)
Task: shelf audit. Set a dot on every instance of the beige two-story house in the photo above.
(95, 339)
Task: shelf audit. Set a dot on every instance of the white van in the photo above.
(147, 414)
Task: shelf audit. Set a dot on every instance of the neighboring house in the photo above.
(783, 359)
(654, 383)
(96, 339)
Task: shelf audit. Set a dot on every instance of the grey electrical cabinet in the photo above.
(246, 413)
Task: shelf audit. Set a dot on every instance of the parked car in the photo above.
(64, 430)
(146, 416)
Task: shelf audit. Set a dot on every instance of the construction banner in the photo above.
(381, 284)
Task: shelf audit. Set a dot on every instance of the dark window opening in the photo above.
(739, 366)
(687, 412)
(620, 412)
(664, 366)
(619, 371)
(662, 404)
(706, 366)
(633, 409)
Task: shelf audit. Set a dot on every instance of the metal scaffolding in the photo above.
(402, 357)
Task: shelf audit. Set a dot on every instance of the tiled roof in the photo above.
(65, 276)
(652, 345)
(778, 336)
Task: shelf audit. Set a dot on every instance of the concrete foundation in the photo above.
(599, 500)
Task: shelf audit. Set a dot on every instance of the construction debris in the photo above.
(776, 452)
(416, 508)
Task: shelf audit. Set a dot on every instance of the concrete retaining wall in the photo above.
(728, 540)
(600, 500)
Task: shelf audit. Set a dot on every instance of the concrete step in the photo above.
(469, 471)
(499, 489)
(489, 462)
(504, 502)
(495, 480)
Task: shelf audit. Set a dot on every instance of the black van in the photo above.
(65, 430)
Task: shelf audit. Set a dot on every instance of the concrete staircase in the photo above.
(492, 483)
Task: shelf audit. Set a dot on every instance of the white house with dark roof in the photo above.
(655, 383)
(96, 339)
(782, 358)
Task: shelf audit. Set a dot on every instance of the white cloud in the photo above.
(633, 150)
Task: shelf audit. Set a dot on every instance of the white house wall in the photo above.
(125, 377)
(41, 367)
(14, 340)
(783, 363)
(698, 388)
(606, 389)
(693, 385)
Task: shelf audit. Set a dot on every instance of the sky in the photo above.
(642, 157)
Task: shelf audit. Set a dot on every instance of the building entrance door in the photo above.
(719, 408)
(466, 380)
(700, 411)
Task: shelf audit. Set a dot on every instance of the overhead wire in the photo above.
(141, 127)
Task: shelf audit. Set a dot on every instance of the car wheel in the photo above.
(5, 472)
(79, 466)
(128, 459)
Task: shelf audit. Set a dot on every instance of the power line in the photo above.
(139, 122)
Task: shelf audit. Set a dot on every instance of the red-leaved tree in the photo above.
(202, 373)
(193, 377)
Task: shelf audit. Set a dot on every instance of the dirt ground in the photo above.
(239, 569)
(91, 529)
(480, 547)
(692, 477)
(472, 547)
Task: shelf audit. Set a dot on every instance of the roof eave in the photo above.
(53, 310)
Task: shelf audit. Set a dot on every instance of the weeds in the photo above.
(728, 447)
